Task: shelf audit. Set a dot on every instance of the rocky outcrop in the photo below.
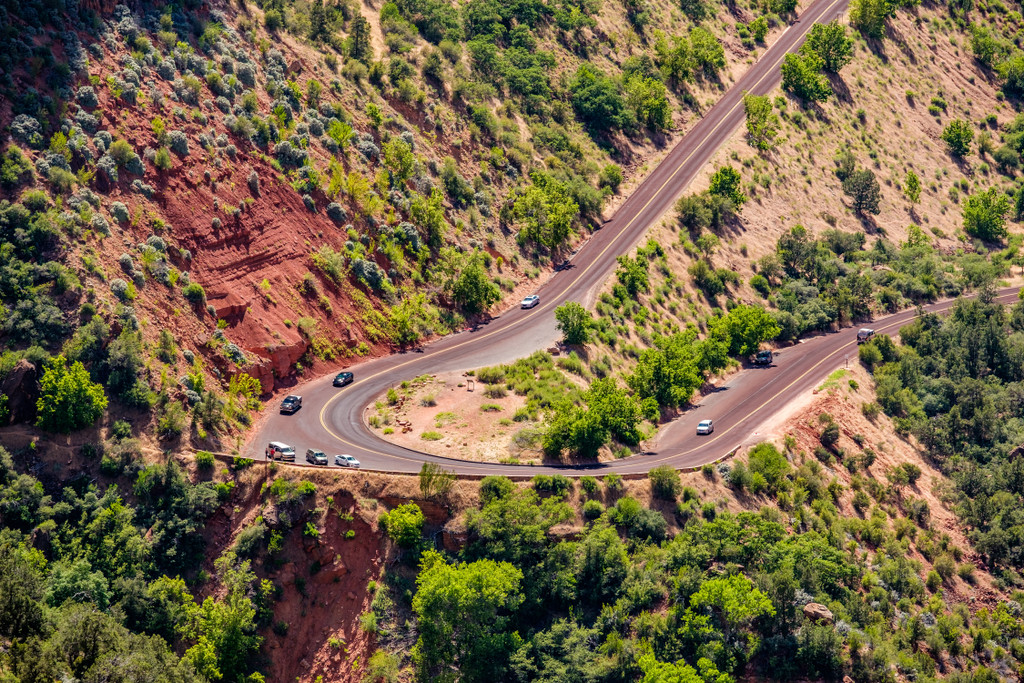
(227, 305)
(281, 357)
(22, 391)
(818, 613)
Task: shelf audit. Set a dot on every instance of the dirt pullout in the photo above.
(449, 414)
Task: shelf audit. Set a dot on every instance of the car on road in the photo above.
(705, 427)
(530, 301)
(864, 334)
(343, 378)
(316, 457)
(290, 404)
(763, 358)
(280, 451)
(345, 461)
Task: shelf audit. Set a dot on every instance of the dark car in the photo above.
(291, 404)
(763, 358)
(343, 378)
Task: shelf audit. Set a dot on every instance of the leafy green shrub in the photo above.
(958, 135)
(404, 524)
(593, 509)
(493, 488)
(68, 399)
(204, 460)
(194, 292)
(431, 436)
(665, 483)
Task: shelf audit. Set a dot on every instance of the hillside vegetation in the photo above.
(199, 203)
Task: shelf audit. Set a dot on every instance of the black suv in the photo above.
(763, 358)
(343, 378)
(291, 404)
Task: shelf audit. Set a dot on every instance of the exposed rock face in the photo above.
(817, 612)
(228, 305)
(21, 391)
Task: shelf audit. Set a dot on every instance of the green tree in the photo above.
(746, 327)
(985, 214)
(708, 53)
(359, 46)
(472, 288)
(665, 483)
(987, 49)
(15, 168)
(669, 372)
(648, 99)
(1012, 72)
(574, 322)
(727, 182)
(224, 630)
(912, 187)
(734, 603)
(429, 213)
(546, 211)
(68, 399)
(869, 16)
(340, 132)
(313, 92)
(830, 42)
(399, 159)
(674, 58)
(958, 136)
(632, 273)
(765, 459)
(318, 22)
(463, 613)
(597, 99)
(404, 524)
(801, 75)
(762, 123)
(862, 187)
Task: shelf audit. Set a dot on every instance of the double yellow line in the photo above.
(769, 73)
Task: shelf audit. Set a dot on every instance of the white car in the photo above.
(345, 461)
(705, 427)
(530, 301)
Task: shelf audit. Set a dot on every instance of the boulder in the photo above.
(22, 391)
(817, 612)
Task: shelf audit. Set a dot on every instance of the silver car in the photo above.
(530, 301)
(345, 461)
(705, 427)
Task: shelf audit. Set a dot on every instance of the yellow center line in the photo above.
(830, 357)
(594, 261)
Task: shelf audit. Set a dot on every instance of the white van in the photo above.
(280, 451)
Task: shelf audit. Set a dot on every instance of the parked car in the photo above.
(315, 457)
(280, 451)
(705, 427)
(530, 301)
(864, 334)
(345, 461)
(290, 404)
(763, 358)
(343, 378)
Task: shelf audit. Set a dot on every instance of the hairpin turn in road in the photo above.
(331, 418)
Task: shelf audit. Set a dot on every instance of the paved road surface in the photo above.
(331, 418)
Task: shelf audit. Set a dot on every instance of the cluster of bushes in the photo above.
(953, 384)
(106, 595)
(593, 608)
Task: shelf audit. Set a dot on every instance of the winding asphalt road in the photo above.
(331, 419)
